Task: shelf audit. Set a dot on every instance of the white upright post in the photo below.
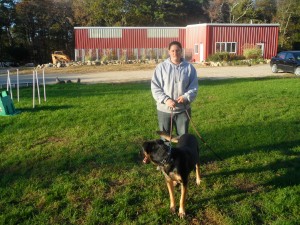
(38, 86)
(8, 88)
(18, 92)
(44, 84)
(33, 90)
(7, 81)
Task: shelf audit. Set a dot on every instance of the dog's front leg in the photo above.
(198, 180)
(171, 193)
(182, 201)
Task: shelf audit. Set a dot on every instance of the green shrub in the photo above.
(252, 52)
(224, 56)
(104, 58)
(219, 56)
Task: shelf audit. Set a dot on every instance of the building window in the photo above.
(196, 49)
(226, 47)
(261, 46)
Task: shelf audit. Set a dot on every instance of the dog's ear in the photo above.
(150, 146)
(147, 146)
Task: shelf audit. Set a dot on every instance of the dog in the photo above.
(176, 163)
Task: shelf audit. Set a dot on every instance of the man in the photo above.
(174, 86)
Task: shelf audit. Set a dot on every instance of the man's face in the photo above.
(175, 53)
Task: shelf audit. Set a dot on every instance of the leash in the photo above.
(171, 129)
(201, 138)
(198, 134)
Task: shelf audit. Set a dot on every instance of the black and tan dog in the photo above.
(176, 163)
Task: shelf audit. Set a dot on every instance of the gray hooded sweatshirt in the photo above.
(171, 81)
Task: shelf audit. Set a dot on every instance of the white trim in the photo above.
(196, 53)
(225, 46)
(201, 52)
(235, 25)
(262, 47)
(192, 25)
(76, 28)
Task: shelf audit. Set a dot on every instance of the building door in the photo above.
(261, 46)
(201, 51)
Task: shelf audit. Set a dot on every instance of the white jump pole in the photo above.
(37, 86)
(7, 81)
(18, 93)
(8, 88)
(33, 90)
(44, 84)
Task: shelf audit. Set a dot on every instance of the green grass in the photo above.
(74, 159)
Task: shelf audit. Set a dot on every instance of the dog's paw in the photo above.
(181, 213)
(173, 210)
(175, 183)
(198, 181)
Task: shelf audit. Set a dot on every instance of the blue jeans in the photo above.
(180, 122)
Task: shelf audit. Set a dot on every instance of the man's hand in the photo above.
(171, 103)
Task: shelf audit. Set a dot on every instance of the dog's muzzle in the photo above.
(146, 159)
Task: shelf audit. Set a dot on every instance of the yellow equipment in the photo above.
(60, 57)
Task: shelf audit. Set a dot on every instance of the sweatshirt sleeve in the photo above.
(192, 88)
(157, 86)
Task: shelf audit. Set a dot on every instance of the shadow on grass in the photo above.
(242, 187)
(255, 143)
(242, 139)
(44, 108)
(87, 90)
(215, 82)
(242, 182)
(93, 90)
(48, 165)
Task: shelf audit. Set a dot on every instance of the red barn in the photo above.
(207, 39)
(199, 40)
(136, 42)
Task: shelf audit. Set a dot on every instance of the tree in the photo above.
(241, 11)
(217, 10)
(36, 28)
(178, 12)
(288, 18)
(230, 11)
(100, 12)
(7, 19)
(42, 29)
(265, 10)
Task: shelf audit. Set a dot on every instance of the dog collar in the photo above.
(168, 159)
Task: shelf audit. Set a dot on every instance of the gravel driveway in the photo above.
(145, 75)
(203, 73)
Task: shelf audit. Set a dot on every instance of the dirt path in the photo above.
(203, 73)
(263, 70)
(145, 75)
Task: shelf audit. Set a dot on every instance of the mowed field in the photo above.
(74, 159)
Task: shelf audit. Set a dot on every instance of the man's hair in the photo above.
(175, 43)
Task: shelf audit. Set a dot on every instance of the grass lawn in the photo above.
(74, 159)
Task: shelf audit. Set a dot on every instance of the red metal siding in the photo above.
(139, 38)
(196, 34)
(209, 34)
(242, 35)
(129, 38)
